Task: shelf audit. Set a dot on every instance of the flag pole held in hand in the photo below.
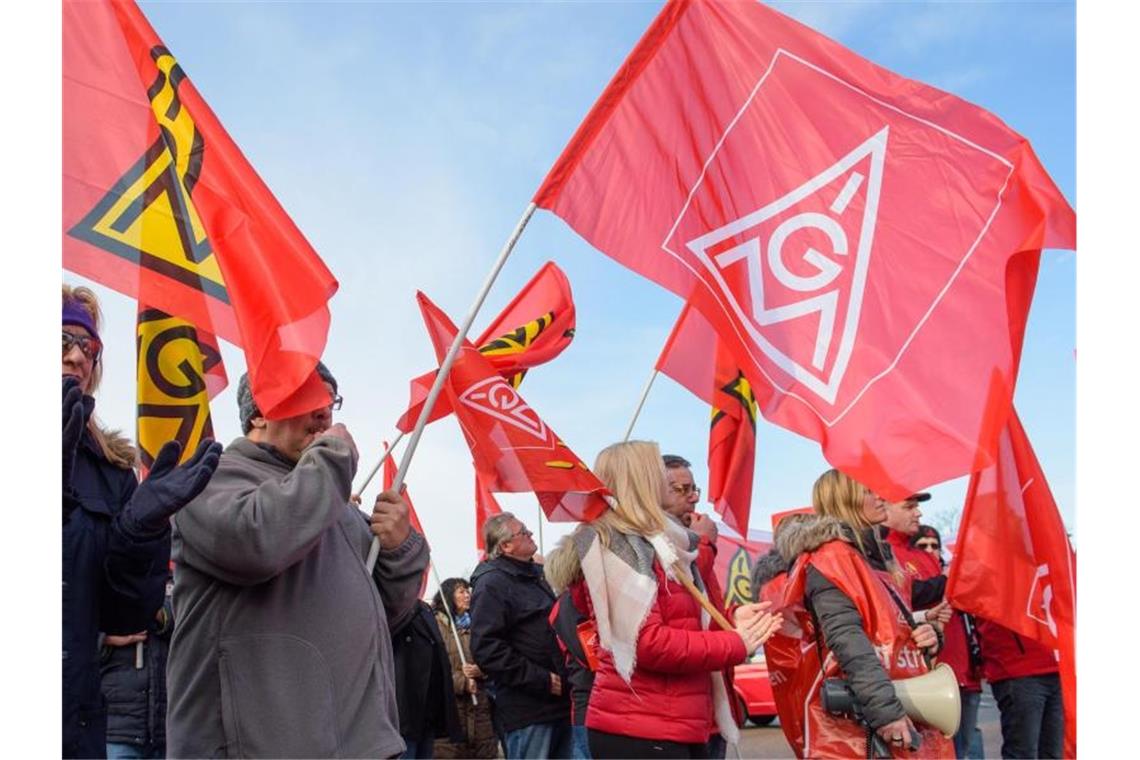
(441, 376)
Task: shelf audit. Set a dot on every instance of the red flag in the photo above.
(1013, 563)
(536, 326)
(389, 479)
(485, 507)
(693, 357)
(735, 558)
(155, 190)
(846, 231)
(513, 448)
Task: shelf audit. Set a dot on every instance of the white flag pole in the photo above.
(445, 368)
(387, 451)
(640, 403)
(451, 619)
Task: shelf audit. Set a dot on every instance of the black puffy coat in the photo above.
(112, 582)
(136, 697)
(513, 643)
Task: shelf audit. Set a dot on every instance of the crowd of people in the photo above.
(223, 607)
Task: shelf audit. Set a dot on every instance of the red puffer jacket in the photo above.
(670, 694)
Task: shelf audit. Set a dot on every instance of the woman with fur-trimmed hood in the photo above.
(658, 680)
(845, 617)
(116, 533)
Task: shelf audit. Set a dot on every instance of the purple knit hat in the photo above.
(75, 314)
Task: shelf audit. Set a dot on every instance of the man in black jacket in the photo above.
(514, 645)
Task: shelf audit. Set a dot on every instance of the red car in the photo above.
(753, 690)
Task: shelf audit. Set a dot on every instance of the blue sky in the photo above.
(405, 139)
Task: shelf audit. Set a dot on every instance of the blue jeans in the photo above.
(130, 751)
(540, 740)
(969, 722)
(419, 748)
(1032, 721)
(580, 743)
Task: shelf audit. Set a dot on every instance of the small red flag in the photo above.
(694, 358)
(514, 450)
(390, 478)
(485, 507)
(536, 326)
(1013, 563)
(846, 231)
(155, 191)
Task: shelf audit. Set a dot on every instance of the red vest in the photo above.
(793, 659)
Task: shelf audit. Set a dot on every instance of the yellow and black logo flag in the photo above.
(179, 370)
(519, 340)
(738, 585)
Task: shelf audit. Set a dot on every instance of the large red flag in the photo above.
(536, 326)
(513, 448)
(1013, 563)
(846, 231)
(485, 507)
(158, 198)
(693, 357)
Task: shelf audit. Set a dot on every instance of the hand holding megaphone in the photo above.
(899, 733)
(925, 637)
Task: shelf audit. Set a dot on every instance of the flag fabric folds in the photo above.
(1013, 563)
(156, 196)
(694, 358)
(485, 507)
(536, 326)
(863, 245)
(513, 449)
(179, 370)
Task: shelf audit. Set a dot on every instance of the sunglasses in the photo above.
(91, 347)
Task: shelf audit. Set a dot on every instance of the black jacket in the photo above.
(136, 697)
(513, 643)
(111, 583)
(424, 694)
(579, 677)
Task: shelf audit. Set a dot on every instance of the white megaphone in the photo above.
(932, 698)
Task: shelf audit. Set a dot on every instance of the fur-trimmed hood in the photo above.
(809, 534)
(766, 568)
(563, 566)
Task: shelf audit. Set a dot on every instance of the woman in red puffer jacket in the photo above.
(658, 688)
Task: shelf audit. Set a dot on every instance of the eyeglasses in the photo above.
(928, 546)
(337, 402)
(523, 532)
(91, 347)
(685, 490)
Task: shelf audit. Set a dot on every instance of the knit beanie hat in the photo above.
(247, 407)
(75, 314)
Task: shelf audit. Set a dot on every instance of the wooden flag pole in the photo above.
(445, 368)
(641, 403)
(376, 469)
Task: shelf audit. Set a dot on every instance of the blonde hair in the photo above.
(115, 447)
(635, 475)
(837, 495)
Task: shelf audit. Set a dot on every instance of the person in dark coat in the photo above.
(425, 698)
(514, 645)
(133, 669)
(116, 533)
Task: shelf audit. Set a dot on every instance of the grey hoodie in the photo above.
(282, 646)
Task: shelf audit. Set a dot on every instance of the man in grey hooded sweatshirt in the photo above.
(282, 645)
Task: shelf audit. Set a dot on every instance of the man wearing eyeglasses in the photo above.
(282, 644)
(514, 644)
(681, 497)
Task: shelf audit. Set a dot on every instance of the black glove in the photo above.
(169, 487)
(77, 410)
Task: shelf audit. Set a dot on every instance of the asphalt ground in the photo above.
(769, 741)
